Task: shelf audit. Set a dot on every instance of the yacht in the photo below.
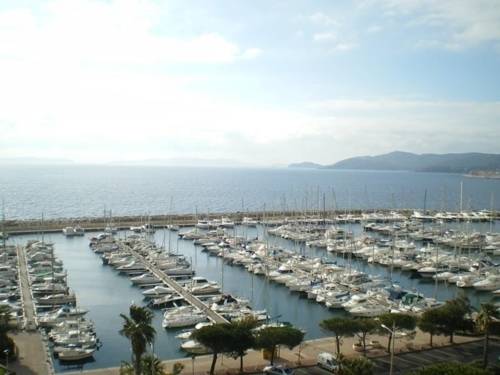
(184, 316)
(145, 278)
(194, 347)
(148, 228)
(249, 222)
(157, 291)
(75, 354)
(490, 283)
(73, 231)
(226, 223)
(57, 299)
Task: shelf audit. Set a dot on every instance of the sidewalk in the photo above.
(305, 355)
(32, 358)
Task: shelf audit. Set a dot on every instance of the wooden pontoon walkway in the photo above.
(30, 322)
(184, 293)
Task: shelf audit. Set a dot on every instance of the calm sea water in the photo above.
(106, 294)
(78, 191)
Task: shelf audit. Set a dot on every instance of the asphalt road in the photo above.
(406, 362)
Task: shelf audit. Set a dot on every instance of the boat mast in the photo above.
(492, 215)
(4, 235)
(461, 195)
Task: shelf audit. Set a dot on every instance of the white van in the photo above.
(328, 362)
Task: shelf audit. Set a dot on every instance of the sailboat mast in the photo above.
(461, 195)
(4, 235)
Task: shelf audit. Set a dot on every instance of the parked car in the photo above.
(328, 362)
(277, 370)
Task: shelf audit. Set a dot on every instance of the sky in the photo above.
(259, 82)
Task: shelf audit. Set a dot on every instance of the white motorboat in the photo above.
(145, 278)
(194, 347)
(57, 299)
(183, 320)
(75, 354)
(148, 228)
(226, 223)
(184, 316)
(491, 282)
(157, 291)
(203, 224)
(73, 231)
(208, 288)
(249, 222)
(75, 337)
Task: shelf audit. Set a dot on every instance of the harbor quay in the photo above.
(91, 224)
(304, 355)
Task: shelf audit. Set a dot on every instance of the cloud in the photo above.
(341, 47)
(116, 32)
(374, 29)
(251, 53)
(460, 23)
(322, 19)
(325, 37)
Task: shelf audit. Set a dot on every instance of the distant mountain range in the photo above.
(406, 161)
(34, 161)
(182, 162)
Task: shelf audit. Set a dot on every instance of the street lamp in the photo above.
(6, 352)
(152, 358)
(393, 337)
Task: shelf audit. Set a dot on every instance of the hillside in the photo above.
(406, 161)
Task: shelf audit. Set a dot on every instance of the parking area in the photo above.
(406, 362)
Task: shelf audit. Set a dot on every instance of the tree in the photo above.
(6, 343)
(341, 327)
(151, 365)
(242, 338)
(138, 329)
(429, 322)
(396, 321)
(217, 338)
(354, 366)
(271, 337)
(452, 317)
(364, 328)
(486, 321)
(450, 368)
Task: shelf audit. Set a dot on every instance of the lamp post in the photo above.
(153, 372)
(193, 357)
(6, 352)
(393, 336)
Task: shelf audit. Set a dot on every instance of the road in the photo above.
(407, 362)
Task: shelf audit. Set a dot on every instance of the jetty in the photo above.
(170, 282)
(30, 322)
(94, 224)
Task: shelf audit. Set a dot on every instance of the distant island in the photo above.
(473, 164)
(305, 164)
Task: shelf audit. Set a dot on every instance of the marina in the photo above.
(282, 269)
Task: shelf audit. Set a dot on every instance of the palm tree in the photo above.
(138, 329)
(486, 316)
(6, 342)
(151, 365)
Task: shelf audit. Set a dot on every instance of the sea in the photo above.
(85, 191)
(77, 191)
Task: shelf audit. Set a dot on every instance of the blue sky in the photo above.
(261, 82)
